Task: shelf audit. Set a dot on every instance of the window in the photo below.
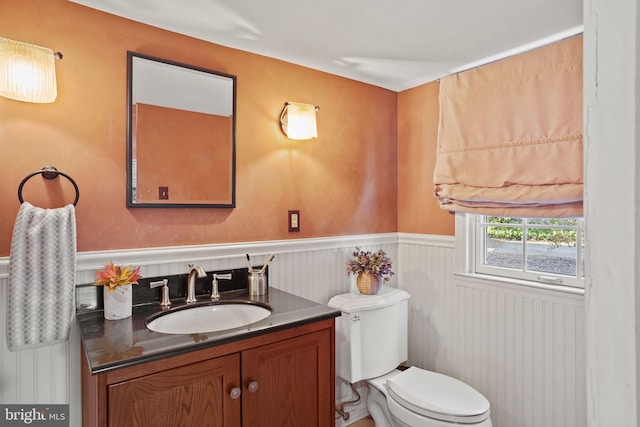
(538, 249)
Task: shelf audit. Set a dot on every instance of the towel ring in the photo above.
(49, 172)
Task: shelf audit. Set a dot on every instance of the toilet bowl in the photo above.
(371, 341)
(419, 398)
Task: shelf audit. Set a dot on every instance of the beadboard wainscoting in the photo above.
(311, 268)
(521, 347)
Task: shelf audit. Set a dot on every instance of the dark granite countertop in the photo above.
(112, 344)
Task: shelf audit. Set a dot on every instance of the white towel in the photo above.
(42, 267)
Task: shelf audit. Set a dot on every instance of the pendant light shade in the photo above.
(27, 72)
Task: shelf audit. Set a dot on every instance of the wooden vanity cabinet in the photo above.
(291, 379)
(285, 378)
(191, 395)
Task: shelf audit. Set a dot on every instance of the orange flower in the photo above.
(113, 276)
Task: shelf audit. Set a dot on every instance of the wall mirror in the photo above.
(180, 134)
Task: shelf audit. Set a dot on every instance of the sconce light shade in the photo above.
(298, 121)
(27, 72)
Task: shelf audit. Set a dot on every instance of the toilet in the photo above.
(371, 342)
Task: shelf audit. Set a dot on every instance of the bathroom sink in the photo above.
(211, 317)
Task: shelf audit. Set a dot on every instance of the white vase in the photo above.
(117, 303)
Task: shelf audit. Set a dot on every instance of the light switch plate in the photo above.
(163, 193)
(294, 221)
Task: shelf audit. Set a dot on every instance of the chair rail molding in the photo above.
(94, 260)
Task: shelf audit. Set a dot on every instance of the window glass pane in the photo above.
(504, 247)
(563, 222)
(549, 257)
(503, 220)
(555, 236)
(581, 265)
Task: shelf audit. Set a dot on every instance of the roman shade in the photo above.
(510, 136)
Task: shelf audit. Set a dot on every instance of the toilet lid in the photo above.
(438, 396)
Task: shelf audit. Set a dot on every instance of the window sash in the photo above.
(477, 240)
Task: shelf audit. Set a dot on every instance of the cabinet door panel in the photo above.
(192, 395)
(293, 378)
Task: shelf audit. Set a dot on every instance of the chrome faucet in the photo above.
(194, 271)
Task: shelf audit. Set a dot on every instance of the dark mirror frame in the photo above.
(130, 204)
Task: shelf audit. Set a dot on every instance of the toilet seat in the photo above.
(437, 396)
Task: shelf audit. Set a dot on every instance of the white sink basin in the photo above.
(208, 318)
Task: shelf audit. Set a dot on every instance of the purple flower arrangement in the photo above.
(377, 263)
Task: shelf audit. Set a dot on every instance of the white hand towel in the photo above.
(42, 268)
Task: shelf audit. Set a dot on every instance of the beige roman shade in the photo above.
(510, 135)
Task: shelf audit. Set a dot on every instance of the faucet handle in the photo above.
(162, 282)
(165, 302)
(215, 295)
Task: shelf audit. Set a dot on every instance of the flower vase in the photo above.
(117, 303)
(368, 283)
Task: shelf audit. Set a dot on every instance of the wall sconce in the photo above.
(298, 121)
(27, 72)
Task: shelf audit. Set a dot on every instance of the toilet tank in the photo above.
(371, 333)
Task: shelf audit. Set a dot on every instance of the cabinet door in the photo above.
(287, 383)
(194, 395)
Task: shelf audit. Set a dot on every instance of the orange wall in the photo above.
(418, 211)
(344, 182)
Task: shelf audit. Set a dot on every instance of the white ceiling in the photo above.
(393, 44)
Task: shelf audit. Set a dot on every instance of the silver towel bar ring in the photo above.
(49, 172)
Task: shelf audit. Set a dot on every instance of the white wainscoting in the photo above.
(521, 347)
(311, 268)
